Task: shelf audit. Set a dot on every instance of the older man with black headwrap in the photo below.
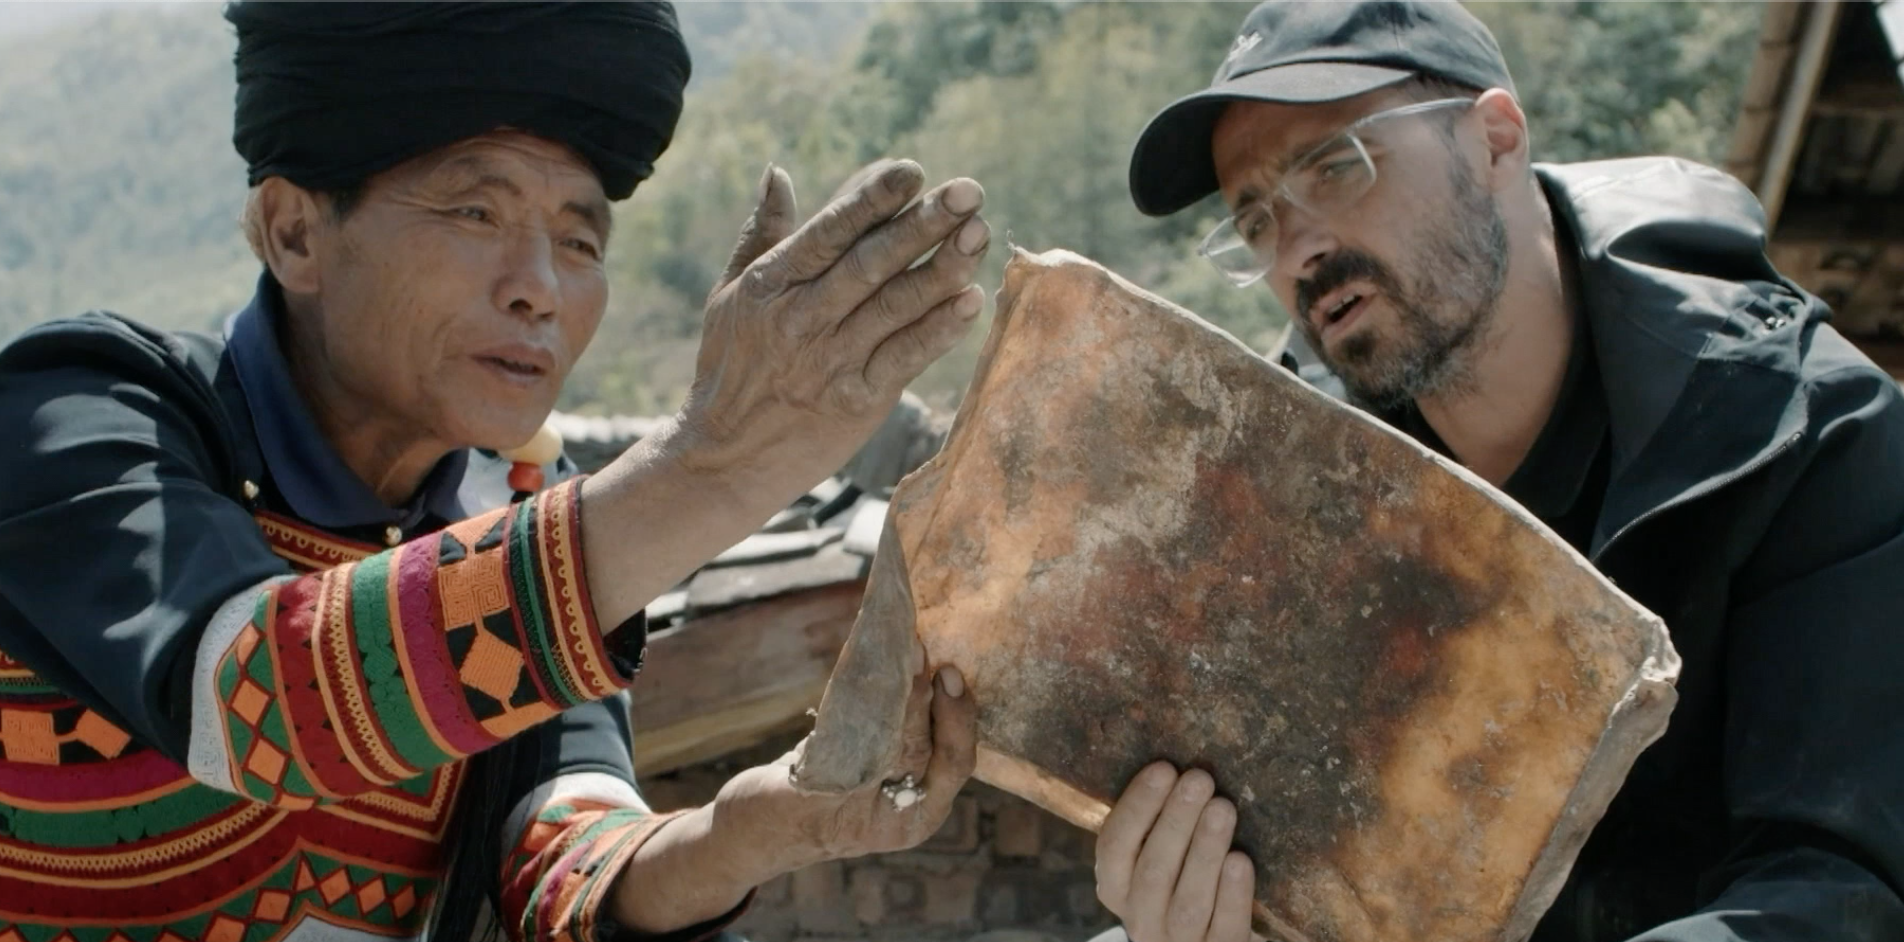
(294, 644)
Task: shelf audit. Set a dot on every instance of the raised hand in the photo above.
(811, 335)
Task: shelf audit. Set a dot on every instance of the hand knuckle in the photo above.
(837, 225)
(910, 297)
(1182, 922)
(914, 351)
(758, 283)
(852, 395)
(860, 271)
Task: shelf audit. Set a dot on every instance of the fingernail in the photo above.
(973, 236)
(969, 303)
(1198, 787)
(962, 196)
(899, 176)
(766, 183)
(951, 682)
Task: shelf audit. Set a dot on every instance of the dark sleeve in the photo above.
(136, 580)
(116, 520)
(1814, 738)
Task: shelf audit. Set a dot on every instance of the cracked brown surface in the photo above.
(1143, 541)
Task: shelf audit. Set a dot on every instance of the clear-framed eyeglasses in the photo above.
(1325, 180)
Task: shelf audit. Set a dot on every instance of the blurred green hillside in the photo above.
(119, 188)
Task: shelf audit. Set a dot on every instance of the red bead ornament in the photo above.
(525, 477)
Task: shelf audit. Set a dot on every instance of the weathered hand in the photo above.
(811, 336)
(797, 827)
(1164, 863)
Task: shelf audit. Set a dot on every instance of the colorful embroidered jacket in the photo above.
(220, 722)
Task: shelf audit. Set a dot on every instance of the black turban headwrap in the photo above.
(331, 93)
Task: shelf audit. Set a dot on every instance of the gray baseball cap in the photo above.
(1309, 52)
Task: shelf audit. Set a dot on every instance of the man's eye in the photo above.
(585, 247)
(1252, 224)
(1335, 168)
(476, 213)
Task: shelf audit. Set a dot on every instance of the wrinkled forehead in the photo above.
(508, 150)
(509, 162)
(1255, 141)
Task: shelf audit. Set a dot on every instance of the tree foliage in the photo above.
(118, 186)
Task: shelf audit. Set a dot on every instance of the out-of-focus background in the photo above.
(119, 189)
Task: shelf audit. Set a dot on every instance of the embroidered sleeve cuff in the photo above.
(370, 672)
(560, 883)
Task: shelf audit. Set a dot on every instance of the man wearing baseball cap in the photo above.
(1608, 343)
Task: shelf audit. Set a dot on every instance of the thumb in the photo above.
(772, 221)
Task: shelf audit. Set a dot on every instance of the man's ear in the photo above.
(1504, 131)
(287, 221)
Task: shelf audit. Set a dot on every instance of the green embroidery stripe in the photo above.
(261, 664)
(559, 661)
(371, 613)
(160, 816)
(235, 728)
(30, 685)
(597, 867)
(545, 883)
(525, 568)
(294, 781)
(272, 727)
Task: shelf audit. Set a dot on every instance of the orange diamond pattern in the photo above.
(224, 929)
(104, 738)
(170, 936)
(117, 937)
(334, 887)
(403, 902)
(64, 937)
(265, 761)
(249, 701)
(12, 935)
(272, 905)
(492, 666)
(247, 642)
(372, 895)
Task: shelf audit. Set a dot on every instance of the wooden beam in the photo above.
(1842, 220)
(734, 679)
(1886, 352)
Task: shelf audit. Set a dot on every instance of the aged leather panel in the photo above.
(1143, 541)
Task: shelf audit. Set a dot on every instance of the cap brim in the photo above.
(1171, 166)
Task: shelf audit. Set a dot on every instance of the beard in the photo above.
(1445, 297)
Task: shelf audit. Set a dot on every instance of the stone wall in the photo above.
(1001, 870)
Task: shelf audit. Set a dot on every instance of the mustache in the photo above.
(1340, 268)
